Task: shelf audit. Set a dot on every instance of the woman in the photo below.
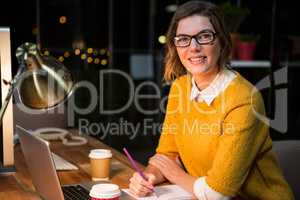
(212, 120)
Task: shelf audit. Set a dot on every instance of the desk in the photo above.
(18, 186)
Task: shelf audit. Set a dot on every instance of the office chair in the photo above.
(288, 154)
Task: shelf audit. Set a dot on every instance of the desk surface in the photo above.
(19, 185)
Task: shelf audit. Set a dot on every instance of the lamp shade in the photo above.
(45, 82)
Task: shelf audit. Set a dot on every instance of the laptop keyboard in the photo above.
(75, 192)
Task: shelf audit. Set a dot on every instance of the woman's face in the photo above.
(197, 59)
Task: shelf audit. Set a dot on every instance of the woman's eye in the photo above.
(207, 35)
(204, 36)
(184, 39)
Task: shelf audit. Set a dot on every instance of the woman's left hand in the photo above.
(168, 167)
(172, 170)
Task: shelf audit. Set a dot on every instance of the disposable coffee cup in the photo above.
(100, 164)
(105, 191)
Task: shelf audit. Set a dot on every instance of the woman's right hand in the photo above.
(140, 187)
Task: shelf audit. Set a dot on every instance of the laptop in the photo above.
(40, 164)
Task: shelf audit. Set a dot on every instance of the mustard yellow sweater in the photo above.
(226, 141)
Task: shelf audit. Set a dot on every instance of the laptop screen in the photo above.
(40, 165)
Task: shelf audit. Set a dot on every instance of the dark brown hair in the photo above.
(173, 66)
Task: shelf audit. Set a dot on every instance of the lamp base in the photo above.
(7, 170)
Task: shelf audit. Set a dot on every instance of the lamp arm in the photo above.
(11, 90)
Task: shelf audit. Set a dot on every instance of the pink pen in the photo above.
(137, 169)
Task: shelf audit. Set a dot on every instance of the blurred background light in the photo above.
(162, 39)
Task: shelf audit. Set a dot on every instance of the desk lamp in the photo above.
(41, 81)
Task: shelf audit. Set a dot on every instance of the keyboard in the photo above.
(62, 164)
(75, 192)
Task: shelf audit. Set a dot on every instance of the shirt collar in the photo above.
(219, 84)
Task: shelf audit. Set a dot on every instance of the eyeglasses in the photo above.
(203, 37)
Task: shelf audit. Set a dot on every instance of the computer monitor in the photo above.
(6, 130)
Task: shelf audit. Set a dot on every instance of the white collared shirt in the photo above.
(218, 85)
(203, 192)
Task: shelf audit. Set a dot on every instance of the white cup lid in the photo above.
(100, 153)
(105, 190)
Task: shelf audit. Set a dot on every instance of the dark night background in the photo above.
(124, 27)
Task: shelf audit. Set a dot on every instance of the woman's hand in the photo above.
(170, 168)
(140, 187)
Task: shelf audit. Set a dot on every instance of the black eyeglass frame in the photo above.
(177, 37)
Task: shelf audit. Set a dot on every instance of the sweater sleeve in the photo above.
(243, 135)
(167, 144)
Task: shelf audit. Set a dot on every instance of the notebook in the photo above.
(166, 192)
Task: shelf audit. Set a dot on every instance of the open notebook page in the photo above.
(166, 192)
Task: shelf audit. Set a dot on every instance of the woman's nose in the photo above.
(194, 44)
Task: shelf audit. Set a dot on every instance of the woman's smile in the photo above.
(198, 60)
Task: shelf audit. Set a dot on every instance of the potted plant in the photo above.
(233, 17)
(246, 46)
